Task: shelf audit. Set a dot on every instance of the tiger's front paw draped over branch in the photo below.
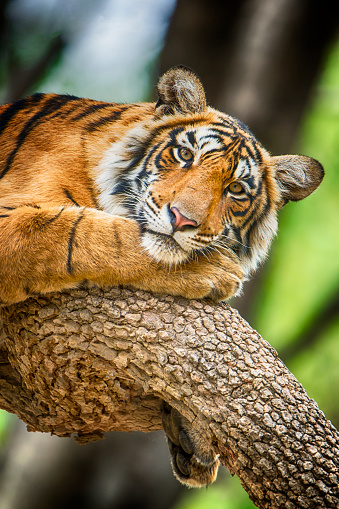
(214, 277)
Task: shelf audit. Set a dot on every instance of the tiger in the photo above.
(171, 196)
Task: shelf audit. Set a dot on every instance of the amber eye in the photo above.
(235, 188)
(185, 154)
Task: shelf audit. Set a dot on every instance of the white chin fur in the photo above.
(163, 249)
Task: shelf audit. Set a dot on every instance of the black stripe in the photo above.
(144, 171)
(252, 154)
(52, 104)
(239, 213)
(91, 108)
(163, 166)
(191, 137)
(86, 163)
(67, 112)
(247, 248)
(62, 113)
(11, 110)
(250, 181)
(141, 221)
(211, 153)
(251, 217)
(225, 231)
(122, 187)
(174, 132)
(35, 98)
(255, 207)
(140, 154)
(238, 247)
(258, 153)
(252, 151)
(235, 137)
(230, 129)
(243, 200)
(33, 205)
(71, 242)
(262, 214)
(93, 195)
(96, 124)
(149, 142)
(4, 215)
(55, 217)
(235, 124)
(70, 197)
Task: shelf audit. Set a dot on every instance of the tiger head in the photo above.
(197, 180)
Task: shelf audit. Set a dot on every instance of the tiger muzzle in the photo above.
(180, 222)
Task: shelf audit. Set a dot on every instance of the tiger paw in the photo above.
(193, 460)
(217, 277)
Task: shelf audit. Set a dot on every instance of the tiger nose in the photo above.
(180, 222)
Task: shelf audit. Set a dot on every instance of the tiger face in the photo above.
(197, 180)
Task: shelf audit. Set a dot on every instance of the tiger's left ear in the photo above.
(297, 176)
(180, 91)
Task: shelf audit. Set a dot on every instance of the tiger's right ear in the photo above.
(180, 91)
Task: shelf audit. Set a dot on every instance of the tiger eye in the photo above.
(185, 154)
(235, 188)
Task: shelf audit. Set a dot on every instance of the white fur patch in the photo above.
(113, 164)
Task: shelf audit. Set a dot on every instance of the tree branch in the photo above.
(95, 360)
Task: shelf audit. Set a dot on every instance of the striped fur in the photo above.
(93, 191)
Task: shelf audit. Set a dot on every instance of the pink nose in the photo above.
(179, 222)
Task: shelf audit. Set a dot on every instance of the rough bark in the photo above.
(94, 360)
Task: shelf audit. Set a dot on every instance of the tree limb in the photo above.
(89, 361)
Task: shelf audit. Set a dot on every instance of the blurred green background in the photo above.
(284, 82)
(297, 309)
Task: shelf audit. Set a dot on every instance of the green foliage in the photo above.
(5, 421)
(224, 494)
(303, 272)
(317, 369)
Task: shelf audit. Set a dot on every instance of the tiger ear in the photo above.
(180, 91)
(297, 176)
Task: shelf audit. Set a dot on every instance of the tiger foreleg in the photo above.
(45, 249)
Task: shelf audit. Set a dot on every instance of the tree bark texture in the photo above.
(89, 361)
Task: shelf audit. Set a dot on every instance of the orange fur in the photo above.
(61, 223)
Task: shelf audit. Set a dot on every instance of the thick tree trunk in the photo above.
(89, 361)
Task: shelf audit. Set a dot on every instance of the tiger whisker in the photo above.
(238, 242)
